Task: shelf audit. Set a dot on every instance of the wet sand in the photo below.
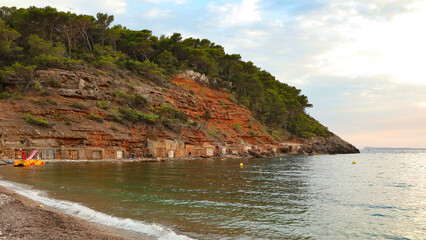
(23, 218)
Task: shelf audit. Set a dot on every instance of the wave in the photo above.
(80, 211)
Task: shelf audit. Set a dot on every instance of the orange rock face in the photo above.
(218, 119)
(231, 121)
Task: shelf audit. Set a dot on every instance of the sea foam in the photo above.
(80, 211)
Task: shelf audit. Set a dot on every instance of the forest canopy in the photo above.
(40, 38)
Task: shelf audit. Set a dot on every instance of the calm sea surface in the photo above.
(382, 196)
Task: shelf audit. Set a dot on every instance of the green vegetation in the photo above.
(237, 127)
(136, 116)
(78, 105)
(95, 117)
(206, 116)
(258, 140)
(102, 104)
(31, 119)
(44, 102)
(222, 103)
(5, 94)
(211, 133)
(305, 126)
(173, 113)
(135, 100)
(39, 38)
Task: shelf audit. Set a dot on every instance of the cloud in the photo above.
(156, 13)
(79, 6)
(394, 47)
(167, 1)
(246, 12)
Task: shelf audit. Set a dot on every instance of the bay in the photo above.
(382, 196)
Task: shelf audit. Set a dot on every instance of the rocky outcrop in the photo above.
(328, 145)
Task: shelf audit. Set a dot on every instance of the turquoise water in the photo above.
(382, 196)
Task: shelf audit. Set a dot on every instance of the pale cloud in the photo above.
(78, 6)
(245, 12)
(157, 13)
(393, 47)
(114, 6)
(278, 23)
(167, 1)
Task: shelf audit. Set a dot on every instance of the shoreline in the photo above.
(24, 218)
(6, 162)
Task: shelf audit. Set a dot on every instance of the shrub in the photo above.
(116, 117)
(207, 115)
(102, 104)
(31, 119)
(95, 117)
(258, 140)
(129, 85)
(171, 124)
(222, 103)
(278, 139)
(253, 133)
(174, 113)
(53, 83)
(192, 123)
(78, 105)
(211, 133)
(5, 94)
(44, 102)
(136, 116)
(135, 100)
(237, 127)
(149, 70)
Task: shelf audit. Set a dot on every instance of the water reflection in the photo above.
(214, 198)
(293, 198)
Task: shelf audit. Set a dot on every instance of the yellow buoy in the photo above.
(221, 159)
(317, 157)
(281, 158)
(241, 165)
(353, 162)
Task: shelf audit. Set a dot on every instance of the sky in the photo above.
(360, 62)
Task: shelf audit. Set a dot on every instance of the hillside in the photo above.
(84, 110)
(70, 80)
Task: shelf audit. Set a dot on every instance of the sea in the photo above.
(377, 194)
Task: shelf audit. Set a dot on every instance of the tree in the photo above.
(8, 46)
(84, 24)
(17, 75)
(103, 20)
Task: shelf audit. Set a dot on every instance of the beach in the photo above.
(23, 218)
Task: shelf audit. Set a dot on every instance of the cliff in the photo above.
(89, 109)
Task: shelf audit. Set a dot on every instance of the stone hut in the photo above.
(289, 147)
(243, 147)
(166, 149)
(195, 150)
(208, 150)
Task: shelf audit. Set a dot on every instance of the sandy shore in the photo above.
(22, 218)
